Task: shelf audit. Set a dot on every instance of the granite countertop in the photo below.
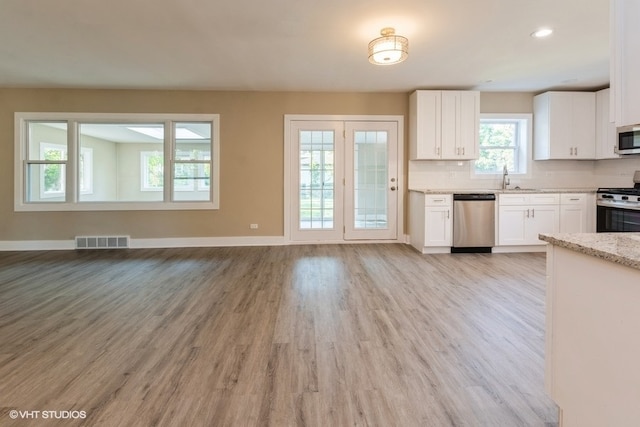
(621, 248)
(500, 191)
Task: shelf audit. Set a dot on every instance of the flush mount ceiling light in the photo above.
(388, 49)
(542, 33)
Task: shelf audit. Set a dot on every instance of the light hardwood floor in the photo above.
(333, 335)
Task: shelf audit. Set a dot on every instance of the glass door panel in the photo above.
(317, 202)
(371, 183)
(316, 185)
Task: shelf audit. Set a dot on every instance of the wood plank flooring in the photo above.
(328, 335)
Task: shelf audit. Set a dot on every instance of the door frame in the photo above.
(289, 118)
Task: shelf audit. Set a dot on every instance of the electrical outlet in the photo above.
(253, 226)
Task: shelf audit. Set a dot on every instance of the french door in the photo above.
(344, 180)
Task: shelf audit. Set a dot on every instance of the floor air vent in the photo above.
(102, 242)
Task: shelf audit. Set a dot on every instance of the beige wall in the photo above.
(251, 150)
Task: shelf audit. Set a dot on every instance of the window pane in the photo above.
(47, 141)
(46, 183)
(191, 181)
(120, 162)
(500, 145)
(498, 134)
(193, 141)
(494, 160)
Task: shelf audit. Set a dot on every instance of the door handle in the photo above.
(393, 188)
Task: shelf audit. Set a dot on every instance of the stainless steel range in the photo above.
(618, 209)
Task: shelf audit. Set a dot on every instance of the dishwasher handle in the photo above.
(474, 196)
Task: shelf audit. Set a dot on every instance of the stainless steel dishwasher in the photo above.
(473, 222)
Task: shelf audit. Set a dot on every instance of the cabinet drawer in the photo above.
(573, 199)
(519, 199)
(545, 199)
(513, 199)
(438, 199)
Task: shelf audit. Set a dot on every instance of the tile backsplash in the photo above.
(577, 174)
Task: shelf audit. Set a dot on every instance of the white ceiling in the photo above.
(302, 45)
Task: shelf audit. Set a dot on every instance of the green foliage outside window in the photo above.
(498, 145)
(53, 173)
(155, 174)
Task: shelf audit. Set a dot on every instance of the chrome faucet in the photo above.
(505, 180)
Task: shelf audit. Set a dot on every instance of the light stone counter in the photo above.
(621, 248)
(500, 191)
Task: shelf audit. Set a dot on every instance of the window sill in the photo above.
(114, 206)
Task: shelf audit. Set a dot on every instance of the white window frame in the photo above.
(73, 120)
(525, 152)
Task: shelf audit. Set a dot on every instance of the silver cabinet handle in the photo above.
(527, 213)
(575, 150)
(448, 216)
(533, 213)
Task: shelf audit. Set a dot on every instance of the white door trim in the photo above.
(288, 118)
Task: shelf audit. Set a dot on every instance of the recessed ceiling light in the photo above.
(541, 33)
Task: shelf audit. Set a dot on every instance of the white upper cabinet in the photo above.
(605, 127)
(564, 125)
(444, 125)
(625, 61)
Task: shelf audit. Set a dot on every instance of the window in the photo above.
(504, 141)
(53, 181)
(116, 161)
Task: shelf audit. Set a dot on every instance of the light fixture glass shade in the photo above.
(388, 49)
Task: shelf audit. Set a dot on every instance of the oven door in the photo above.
(615, 220)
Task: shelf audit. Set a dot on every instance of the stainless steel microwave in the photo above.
(628, 140)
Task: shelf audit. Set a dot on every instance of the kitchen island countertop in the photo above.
(621, 248)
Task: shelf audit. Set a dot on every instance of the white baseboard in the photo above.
(514, 249)
(178, 242)
(195, 242)
(37, 245)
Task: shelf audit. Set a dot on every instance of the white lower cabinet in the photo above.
(437, 226)
(521, 217)
(431, 222)
(574, 213)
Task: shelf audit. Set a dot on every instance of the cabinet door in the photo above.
(626, 61)
(573, 219)
(583, 117)
(564, 125)
(512, 225)
(469, 128)
(605, 128)
(574, 213)
(560, 125)
(424, 131)
(450, 122)
(541, 219)
(437, 231)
